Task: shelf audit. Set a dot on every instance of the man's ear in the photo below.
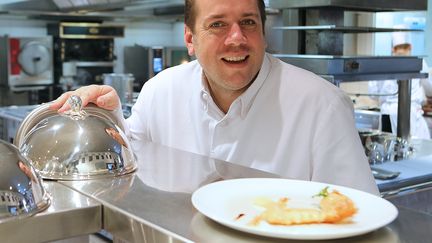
(188, 38)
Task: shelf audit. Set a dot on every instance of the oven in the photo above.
(87, 47)
(144, 62)
(26, 62)
(89, 50)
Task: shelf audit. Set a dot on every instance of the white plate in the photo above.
(223, 201)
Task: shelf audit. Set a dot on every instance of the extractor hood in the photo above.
(93, 9)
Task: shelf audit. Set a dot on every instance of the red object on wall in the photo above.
(14, 47)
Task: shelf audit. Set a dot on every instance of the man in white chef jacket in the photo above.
(239, 104)
(401, 46)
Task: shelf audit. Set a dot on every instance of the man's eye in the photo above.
(248, 22)
(216, 25)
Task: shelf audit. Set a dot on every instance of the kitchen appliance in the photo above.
(83, 143)
(157, 60)
(89, 46)
(144, 62)
(168, 56)
(22, 192)
(26, 62)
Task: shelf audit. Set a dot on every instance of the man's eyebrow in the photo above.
(250, 15)
(215, 16)
(220, 16)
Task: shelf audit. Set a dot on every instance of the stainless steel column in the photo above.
(404, 109)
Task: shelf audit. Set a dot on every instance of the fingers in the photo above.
(108, 99)
(60, 101)
(103, 96)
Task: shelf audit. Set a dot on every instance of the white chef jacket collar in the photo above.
(248, 96)
(246, 99)
(205, 93)
(206, 98)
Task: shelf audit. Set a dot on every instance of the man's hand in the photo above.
(103, 96)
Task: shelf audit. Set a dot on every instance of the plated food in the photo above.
(334, 207)
(256, 205)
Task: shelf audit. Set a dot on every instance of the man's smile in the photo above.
(238, 59)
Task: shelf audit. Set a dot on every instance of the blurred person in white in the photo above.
(427, 107)
(401, 46)
(239, 104)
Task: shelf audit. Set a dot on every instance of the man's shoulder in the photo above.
(296, 77)
(305, 85)
(182, 70)
(290, 72)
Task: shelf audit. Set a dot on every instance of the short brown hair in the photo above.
(190, 14)
(402, 46)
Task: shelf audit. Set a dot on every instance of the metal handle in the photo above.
(76, 112)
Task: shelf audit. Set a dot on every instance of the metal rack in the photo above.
(315, 43)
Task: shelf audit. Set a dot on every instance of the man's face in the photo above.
(228, 41)
(401, 50)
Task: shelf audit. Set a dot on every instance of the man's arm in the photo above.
(339, 157)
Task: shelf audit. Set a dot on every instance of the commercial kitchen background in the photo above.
(411, 190)
(161, 32)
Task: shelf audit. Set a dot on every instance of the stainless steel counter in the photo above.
(410, 226)
(70, 214)
(153, 204)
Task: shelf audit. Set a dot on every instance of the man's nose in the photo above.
(235, 36)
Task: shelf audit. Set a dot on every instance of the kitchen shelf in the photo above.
(344, 29)
(358, 68)
(374, 76)
(94, 64)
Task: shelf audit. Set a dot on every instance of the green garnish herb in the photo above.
(323, 193)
